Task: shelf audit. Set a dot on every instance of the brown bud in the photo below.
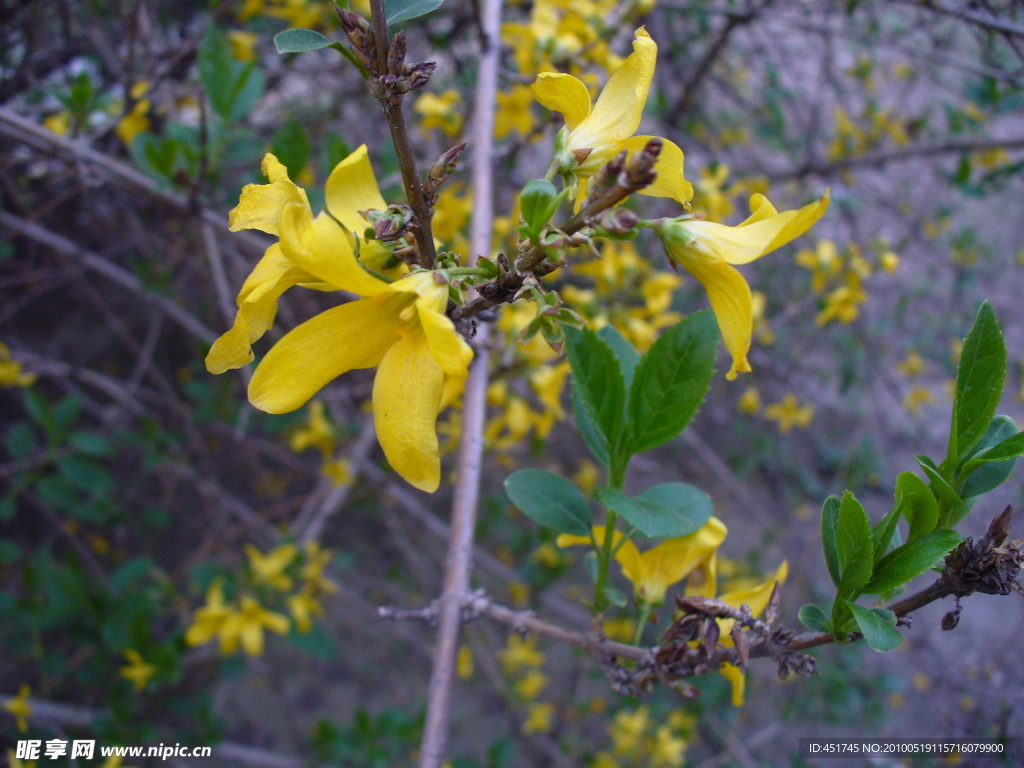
(711, 635)
(396, 54)
(951, 619)
(774, 606)
(417, 76)
(742, 643)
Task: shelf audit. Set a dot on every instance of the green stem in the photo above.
(463, 271)
(641, 622)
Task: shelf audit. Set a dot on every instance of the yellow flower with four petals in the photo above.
(398, 327)
(608, 128)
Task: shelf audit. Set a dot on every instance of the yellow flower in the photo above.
(913, 366)
(398, 327)
(750, 401)
(440, 111)
(915, 398)
(303, 606)
(654, 571)
(520, 653)
(539, 717)
(137, 670)
(788, 413)
(608, 128)
(269, 569)
(843, 304)
(11, 374)
(708, 250)
(135, 122)
(513, 112)
(208, 620)
(58, 122)
(668, 750)
(889, 261)
(246, 624)
(464, 663)
(20, 708)
(338, 471)
(243, 44)
(628, 729)
(317, 433)
(531, 684)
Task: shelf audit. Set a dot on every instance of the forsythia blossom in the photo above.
(708, 250)
(398, 327)
(592, 137)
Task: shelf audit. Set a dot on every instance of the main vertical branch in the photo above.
(403, 146)
(471, 448)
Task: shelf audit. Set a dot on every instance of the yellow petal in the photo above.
(738, 680)
(762, 233)
(446, 344)
(260, 205)
(563, 93)
(352, 187)
(257, 306)
(732, 304)
(618, 110)
(629, 559)
(757, 597)
(354, 335)
(406, 400)
(251, 635)
(322, 248)
(674, 559)
(669, 169)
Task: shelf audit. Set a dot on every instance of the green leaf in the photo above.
(878, 627)
(300, 41)
(627, 356)
(597, 379)
(909, 561)
(37, 408)
(918, 504)
(403, 10)
(882, 533)
(854, 545)
(829, 524)
(65, 413)
(592, 436)
(663, 511)
(21, 441)
(615, 596)
(992, 460)
(550, 500)
(291, 146)
(979, 383)
(670, 383)
(815, 619)
(86, 474)
(91, 444)
(216, 70)
(952, 508)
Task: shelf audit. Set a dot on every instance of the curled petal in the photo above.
(352, 187)
(260, 205)
(669, 181)
(406, 400)
(731, 302)
(760, 234)
(446, 344)
(354, 335)
(563, 93)
(322, 248)
(738, 680)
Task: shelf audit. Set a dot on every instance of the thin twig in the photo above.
(467, 488)
(107, 269)
(19, 128)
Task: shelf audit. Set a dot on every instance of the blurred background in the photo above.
(143, 500)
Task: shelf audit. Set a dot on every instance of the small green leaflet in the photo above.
(979, 383)
(911, 560)
(812, 617)
(878, 627)
(854, 545)
(300, 41)
(663, 511)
